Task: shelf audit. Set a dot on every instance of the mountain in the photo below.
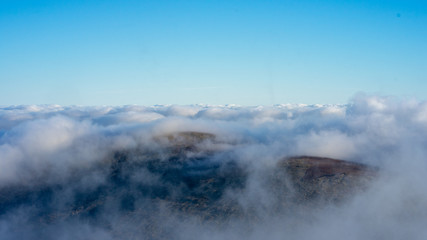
(181, 178)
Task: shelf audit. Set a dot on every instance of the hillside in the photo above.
(182, 180)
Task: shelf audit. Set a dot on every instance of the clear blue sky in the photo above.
(215, 52)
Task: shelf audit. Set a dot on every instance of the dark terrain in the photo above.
(180, 180)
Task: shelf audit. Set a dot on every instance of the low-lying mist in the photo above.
(211, 172)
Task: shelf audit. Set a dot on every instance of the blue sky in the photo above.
(213, 52)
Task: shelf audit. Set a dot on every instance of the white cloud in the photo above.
(45, 144)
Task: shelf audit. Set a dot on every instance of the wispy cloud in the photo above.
(48, 145)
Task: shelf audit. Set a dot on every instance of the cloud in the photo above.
(69, 151)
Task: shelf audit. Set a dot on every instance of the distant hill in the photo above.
(181, 179)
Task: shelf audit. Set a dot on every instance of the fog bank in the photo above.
(71, 151)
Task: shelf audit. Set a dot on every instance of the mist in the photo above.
(55, 159)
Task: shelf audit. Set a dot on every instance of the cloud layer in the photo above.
(55, 145)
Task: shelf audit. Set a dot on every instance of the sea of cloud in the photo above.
(48, 144)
